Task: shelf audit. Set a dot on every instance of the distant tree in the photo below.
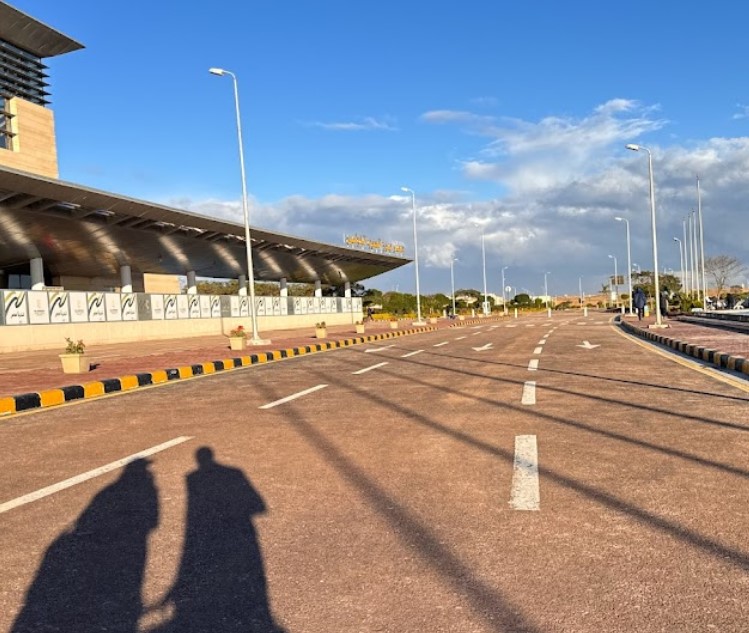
(230, 287)
(721, 268)
(522, 300)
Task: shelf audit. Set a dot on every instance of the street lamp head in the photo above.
(612, 257)
(676, 239)
(633, 147)
(217, 71)
(406, 189)
(618, 219)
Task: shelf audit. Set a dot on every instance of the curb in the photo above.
(96, 388)
(715, 357)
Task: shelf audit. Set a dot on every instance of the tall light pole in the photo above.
(702, 245)
(629, 261)
(681, 259)
(616, 280)
(416, 256)
(255, 340)
(656, 281)
(504, 298)
(686, 256)
(483, 259)
(546, 289)
(695, 263)
(580, 286)
(452, 281)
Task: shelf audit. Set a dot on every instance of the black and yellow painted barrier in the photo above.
(714, 357)
(51, 397)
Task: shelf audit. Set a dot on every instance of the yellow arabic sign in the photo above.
(360, 241)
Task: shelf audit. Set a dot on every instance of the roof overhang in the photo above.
(33, 36)
(85, 232)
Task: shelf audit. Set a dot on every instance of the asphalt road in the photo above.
(546, 475)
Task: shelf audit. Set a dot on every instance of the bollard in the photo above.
(548, 312)
(585, 311)
(516, 313)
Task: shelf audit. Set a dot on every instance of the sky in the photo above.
(507, 119)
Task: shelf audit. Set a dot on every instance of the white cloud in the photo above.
(558, 213)
(361, 124)
(743, 112)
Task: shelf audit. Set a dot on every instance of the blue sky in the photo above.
(512, 116)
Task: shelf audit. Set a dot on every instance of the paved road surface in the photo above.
(540, 476)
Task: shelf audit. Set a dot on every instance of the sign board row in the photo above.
(36, 307)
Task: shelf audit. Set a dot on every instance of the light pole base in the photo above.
(258, 341)
(658, 326)
(418, 323)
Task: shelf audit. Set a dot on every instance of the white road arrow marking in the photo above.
(587, 345)
(378, 349)
(482, 348)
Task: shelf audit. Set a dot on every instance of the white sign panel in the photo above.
(157, 307)
(276, 306)
(38, 307)
(244, 306)
(113, 304)
(59, 307)
(16, 307)
(284, 306)
(96, 308)
(129, 307)
(78, 307)
(205, 306)
(170, 306)
(183, 307)
(234, 306)
(193, 306)
(216, 307)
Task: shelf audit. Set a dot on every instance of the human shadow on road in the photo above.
(90, 578)
(221, 585)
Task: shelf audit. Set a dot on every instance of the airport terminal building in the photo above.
(77, 260)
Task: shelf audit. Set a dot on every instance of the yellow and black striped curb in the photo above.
(51, 397)
(714, 357)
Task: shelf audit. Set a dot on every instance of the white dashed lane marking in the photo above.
(533, 365)
(68, 483)
(525, 494)
(529, 392)
(293, 396)
(418, 351)
(370, 368)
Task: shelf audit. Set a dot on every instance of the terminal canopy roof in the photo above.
(83, 232)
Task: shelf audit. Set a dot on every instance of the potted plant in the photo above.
(432, 319)
(393, 323)
(359, 327)
(321, 330)
(74, 360)
(238, 338)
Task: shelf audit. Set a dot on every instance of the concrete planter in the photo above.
(237, 343)
(393, 325)
(433, 320)
(359, 328)
(75, 363)
(321, 332)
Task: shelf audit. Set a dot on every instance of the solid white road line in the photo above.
(525, 493)
(418, 351)
(533, 365)
(68, 483)
(440, 344)
(460, 338)
(538, 350)
(366, 369)
(529, 392)
(294, 396)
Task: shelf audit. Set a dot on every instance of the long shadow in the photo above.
(221, 585)
(488, 603)
(693, 538)
(90, 578)
(665, 450)
(666, 412)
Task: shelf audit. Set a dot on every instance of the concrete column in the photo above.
(347, 290)
(318, 288)
(284, 287)
(37, 273)
(126, 279)
(192, 285)
(243, 285)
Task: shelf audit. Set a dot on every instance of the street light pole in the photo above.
(255, 340)
(629, 262)
(452, 282)
(546, 289)
(483, 259)
(504, 298)
(656, 281)
(416, 256)
(681, 259)
(702, 245)
(580, 286)
(616, 280)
